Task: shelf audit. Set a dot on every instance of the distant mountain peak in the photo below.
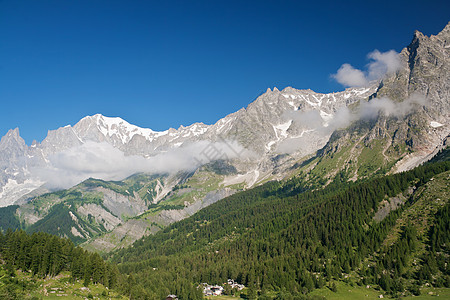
(12, 137)
(115, 127)
(14, 133)
(274, 124)
(445, 31)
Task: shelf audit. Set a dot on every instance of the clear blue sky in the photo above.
(161, 64)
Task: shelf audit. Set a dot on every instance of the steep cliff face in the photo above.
(410, 116)
(15, 180)
(389, 126)
(426, 128)
(269, 127)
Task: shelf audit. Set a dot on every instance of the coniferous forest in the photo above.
(44, 255)
(278, 241)
(223, 150)
(281, 240)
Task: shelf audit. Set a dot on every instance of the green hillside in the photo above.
(282, 237)
(40, 264)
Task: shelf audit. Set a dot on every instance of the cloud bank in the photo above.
(313, 122)
(103, 161)
(371, 110)
(382, 63)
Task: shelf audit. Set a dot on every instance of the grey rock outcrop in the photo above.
(269, 127)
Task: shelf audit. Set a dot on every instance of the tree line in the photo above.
(272, 239)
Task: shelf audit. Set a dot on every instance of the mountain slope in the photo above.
(406, 119)
(261, 129)
(271, 241)
(390, 126)
(31, 266)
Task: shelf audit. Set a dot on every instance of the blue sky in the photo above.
(161, 64)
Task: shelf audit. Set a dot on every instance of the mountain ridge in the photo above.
(134, 140)
(392, 125)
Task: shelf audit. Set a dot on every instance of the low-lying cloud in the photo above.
(310, 119)
(313, 122)
(348, 76)
(103, 161)
(382, 63)
(371, 109)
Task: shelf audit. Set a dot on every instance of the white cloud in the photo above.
(310, 119)
(382, 63)
(103, 161)
(295, 144)
(313, 127)
(342, 118)
(371, 109)
(349, 76)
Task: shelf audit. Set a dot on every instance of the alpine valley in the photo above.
(298, 195)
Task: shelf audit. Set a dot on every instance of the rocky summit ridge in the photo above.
(261, 128)
(391, 125)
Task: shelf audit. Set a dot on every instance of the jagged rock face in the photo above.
(268, 121)
(416, 136)
(12, 151)
(261, 127)
(427, 61)
(429, 67)
(268, 127)
(14, 162)
(426, 65)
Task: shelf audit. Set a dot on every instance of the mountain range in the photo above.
(107, 183)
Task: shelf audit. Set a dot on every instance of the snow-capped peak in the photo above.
(115, 126)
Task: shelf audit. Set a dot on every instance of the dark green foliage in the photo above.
(278, 237)
(333, 287)
(442, 155)
(281, 240)
(58, 222)
(63, 219)
(8, 219)
(435, 261)
(45, 255)
(13, 288)
(220, 167)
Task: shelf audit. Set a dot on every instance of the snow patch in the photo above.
(435, 124)
(362, 91)
(280, 133)
(249, 178)
(13, 191)
(291, 103)
(255, 178)
(283, 128)
(109, 126)
(75, 232)
(223, 122)
(197, 130)
(326, 117)
(74, 218)
(269, 144)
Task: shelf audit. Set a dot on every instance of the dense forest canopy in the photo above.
(272, 238)
(281, 240)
